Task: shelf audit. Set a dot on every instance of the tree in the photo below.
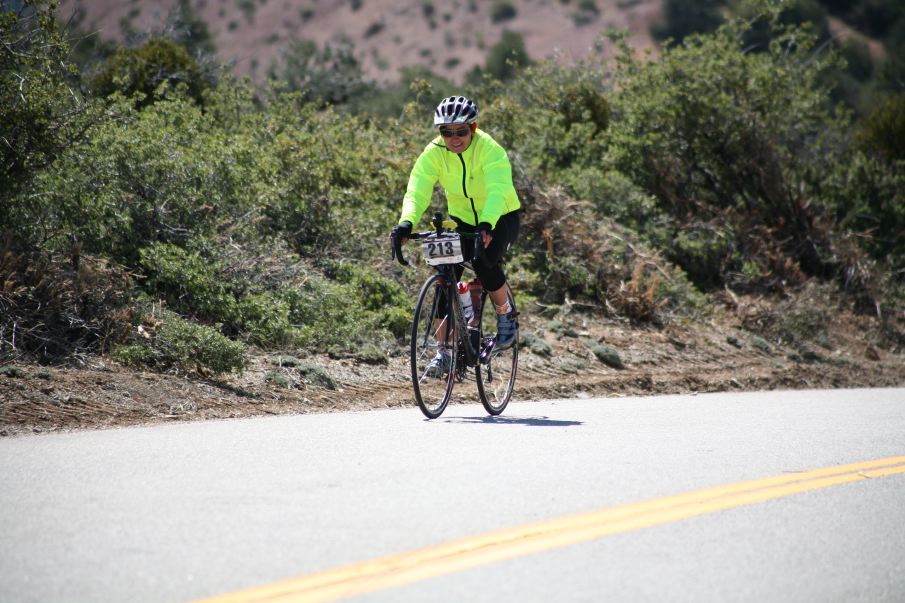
(332, 76)
(507, 56)
(683, 17)
(189, 30)
(41, 109)
(142, 70)
(882, 132)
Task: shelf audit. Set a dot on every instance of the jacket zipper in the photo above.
(465, 189)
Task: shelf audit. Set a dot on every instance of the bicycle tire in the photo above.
(495, 376)
(432, 391)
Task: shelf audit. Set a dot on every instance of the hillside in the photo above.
(180, 246)
(448, 38)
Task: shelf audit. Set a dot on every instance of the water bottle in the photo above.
(465, 296)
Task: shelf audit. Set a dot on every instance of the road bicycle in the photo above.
(440, 325)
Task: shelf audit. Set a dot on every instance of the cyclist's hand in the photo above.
(485, 231)
(402, 232)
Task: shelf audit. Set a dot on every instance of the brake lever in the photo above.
(397, 250)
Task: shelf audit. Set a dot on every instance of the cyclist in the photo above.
(476, 176)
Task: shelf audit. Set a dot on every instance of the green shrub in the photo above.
(264, 318)
(869, 199)
(12, 372)
(682, 18)
(703, 251)
(177, 342)
(369, 353)
(290, 361)
(278, 379)
(605, 354)
(536, 344)
(581, 102)
(586, 11)
(331, 75)
(616, 197)
(41, 112)
(380, 295)
(138, 73)
(803, 317)
(507, 56)
(882, 132)
(725, 137)
(577, 254)
(188, 282)
(315, 374)
(248, 7)
(135, 355)
(502, 10)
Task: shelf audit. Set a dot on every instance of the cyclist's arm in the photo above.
(424, 176)
(498, 178)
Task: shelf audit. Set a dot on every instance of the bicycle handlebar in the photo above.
(440, 226)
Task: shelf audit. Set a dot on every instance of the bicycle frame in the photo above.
(460, 328)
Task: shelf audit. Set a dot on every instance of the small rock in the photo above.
(678, 343)
(872, 353)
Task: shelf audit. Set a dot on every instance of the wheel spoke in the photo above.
(496, 376)
(432, 376)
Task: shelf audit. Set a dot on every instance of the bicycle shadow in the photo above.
(529, 421)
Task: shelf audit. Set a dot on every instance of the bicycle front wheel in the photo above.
(434, 347)
(496, 371)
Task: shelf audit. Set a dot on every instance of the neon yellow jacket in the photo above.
(477, 182)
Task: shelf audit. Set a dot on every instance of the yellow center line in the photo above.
(396, 570)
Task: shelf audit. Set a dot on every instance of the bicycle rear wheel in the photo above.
(496, 373)
(431, 334)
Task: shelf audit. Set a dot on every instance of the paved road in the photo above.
(185, 511)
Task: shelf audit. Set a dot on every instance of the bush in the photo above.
(189, 283)
(585, 12)
(682, 18)
(605, 354)
(729, 141)
(13, 372)
(52, 307)
(869, 197)
(263, 217)
(380, 295)
(314, 374)
(507, 56)
(502, 10)
(329, 76)
(882, 132)
(138, 73)
(801, 318)
(174, 342)
(536, 344)
(576, 253)
(41, 110)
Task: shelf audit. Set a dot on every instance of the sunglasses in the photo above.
(449, 133)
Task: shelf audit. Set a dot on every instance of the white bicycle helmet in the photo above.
(455, 110)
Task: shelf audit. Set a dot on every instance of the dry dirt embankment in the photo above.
(700, 357)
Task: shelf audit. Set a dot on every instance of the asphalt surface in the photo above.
(185, 511)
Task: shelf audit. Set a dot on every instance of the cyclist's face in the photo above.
(456, 143)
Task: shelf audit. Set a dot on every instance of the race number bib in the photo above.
(443, 249)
